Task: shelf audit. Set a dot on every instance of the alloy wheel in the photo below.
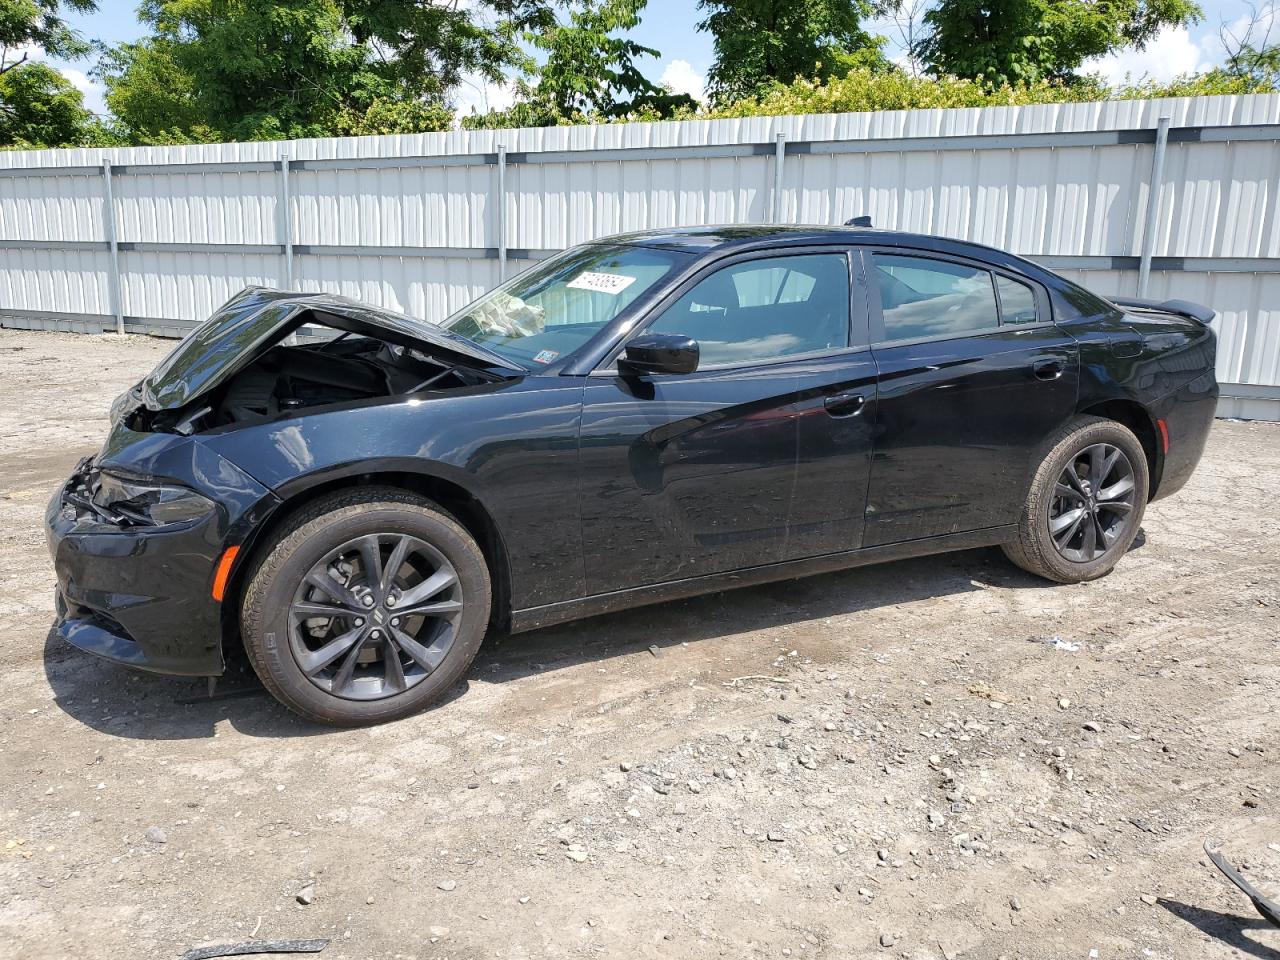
(1093, 500)
(375, 616)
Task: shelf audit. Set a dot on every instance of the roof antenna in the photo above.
(858, 222)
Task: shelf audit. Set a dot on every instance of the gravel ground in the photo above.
(887, 762)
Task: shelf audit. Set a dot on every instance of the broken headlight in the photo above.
(147, 504)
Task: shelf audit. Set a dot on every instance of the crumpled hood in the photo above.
(257, 318)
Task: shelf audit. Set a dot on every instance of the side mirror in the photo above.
(659, 353)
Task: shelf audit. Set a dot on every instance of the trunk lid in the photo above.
(256, 319)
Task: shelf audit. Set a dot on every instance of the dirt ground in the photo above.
(888, 762)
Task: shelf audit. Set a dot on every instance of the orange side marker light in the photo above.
(1164, 434)
(223, 572)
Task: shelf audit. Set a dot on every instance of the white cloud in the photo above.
(95, 94)
(681, 77)
(477, 95)
(1171, 54)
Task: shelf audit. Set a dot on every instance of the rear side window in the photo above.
(933, 298)
(765, 309)
(1017, 302)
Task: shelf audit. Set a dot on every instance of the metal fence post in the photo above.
(1151, 225)
(779, 156)
(502, 212)
(113, 248)
(286, 220)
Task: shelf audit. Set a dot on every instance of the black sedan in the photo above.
(358, 496)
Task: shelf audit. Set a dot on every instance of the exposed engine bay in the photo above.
(242, 364)
(341, 370)
(344, 369)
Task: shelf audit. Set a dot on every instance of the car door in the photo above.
(694, 474)
(973, 376)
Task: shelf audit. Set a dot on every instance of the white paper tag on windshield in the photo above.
(610, 283)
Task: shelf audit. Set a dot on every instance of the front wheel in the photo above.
(367, 606)
(1085, 504)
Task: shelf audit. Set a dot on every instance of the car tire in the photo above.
(1050, 542)
(334, 560)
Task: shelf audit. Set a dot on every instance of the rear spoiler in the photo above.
(1184, 308)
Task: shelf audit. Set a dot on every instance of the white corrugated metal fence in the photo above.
(154, 238)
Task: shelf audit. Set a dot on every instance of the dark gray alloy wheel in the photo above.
(1085, 502)
(375, 616)
(1093, 500)
(365, 606)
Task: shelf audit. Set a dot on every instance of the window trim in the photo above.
(859, 318)
(1035, 297)
(879, 333)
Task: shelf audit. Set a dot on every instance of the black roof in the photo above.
(705, 239)
(725, 238)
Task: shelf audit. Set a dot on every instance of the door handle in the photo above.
(1047, 369)
(845, 404)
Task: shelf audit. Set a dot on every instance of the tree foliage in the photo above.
(762, 43)
(38, 106)
(1011, 42)
(863, 90)
(271, 69)
(587, 72)
(1251, 47)
(39, 23)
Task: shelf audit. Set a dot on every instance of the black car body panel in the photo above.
(143, 598)
(598, 490)
(511, 447)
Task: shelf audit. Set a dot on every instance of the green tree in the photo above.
(1252, 51)
(38, 23)
(1026, 41)
(270, 69)
(762, 43)
(38, 106)
(151, 98)
(587, 73)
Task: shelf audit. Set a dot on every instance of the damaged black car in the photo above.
(358, 496)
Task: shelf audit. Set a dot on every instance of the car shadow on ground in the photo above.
(124, 703)
(1228, 928)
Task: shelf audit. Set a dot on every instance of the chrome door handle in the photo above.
(845, 404)
(1047, 369)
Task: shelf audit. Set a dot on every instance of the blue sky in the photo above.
(671, 27)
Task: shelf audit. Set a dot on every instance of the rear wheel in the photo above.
(1085, 504)
(367, 606)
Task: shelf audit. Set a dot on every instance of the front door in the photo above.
(974, 376)
(683, 476)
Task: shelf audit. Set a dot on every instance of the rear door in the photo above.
(690, 475)
(973, 376)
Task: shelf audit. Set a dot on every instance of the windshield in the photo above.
(552, 309)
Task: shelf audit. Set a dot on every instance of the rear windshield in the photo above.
(552, 309)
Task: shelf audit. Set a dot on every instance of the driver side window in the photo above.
(765, 309)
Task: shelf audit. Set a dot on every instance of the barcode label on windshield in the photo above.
(610, 283)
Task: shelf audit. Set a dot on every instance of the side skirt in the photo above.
(532, 618)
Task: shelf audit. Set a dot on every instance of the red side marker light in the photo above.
(1164, 434)
(223, 571)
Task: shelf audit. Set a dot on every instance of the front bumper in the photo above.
(137, 595)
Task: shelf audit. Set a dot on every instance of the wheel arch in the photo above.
(436, 487)
(1136, 417)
